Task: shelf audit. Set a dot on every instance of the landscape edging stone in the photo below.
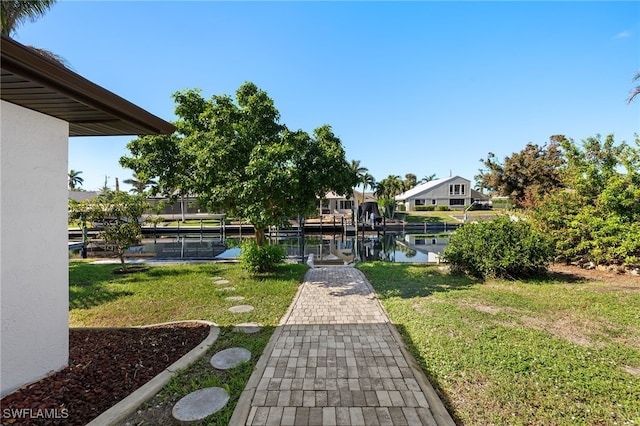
(147, 391)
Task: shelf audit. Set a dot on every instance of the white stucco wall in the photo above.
(34, 295)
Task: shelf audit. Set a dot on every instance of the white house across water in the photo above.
(453, 192)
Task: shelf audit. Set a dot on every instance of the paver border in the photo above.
(147, 391)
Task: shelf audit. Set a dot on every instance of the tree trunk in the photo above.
(182, 209)
(260, 240)
(122, 262)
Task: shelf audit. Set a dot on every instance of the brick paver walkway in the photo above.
(335, 359)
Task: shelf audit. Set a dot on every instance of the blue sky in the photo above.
(409, 87)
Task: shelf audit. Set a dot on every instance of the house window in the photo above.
(456, 189)
(434, 202)
(324, 208)
(456, 202)
(346, 204)
(420, 202)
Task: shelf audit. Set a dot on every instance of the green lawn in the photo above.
(175, 223)
(544, 352)
(186, 292)
(193, 222)
(453, 216)
(426, 217)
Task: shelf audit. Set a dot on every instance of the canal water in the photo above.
(324, 249)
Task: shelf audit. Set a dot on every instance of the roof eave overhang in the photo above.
(124, 118)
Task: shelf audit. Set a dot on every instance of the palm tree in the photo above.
(410, 180)
(74, 179)
(368, 181)
(15, 12)
(139, 183)
(428, 178)
(357, 170)
(636, 90)
(362, 176)
(394, 186)
(386, 191)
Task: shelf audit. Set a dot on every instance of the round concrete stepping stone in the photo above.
(230, 358)
(235, 298)
(228, 288)
(220, 282)
(216, 278)
(241, 308)
(248, 327)
(200, 404)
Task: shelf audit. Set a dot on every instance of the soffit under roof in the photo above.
(38, 83)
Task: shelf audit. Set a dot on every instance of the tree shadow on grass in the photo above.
(176, 270)
(89, 285)
(431, 376)
(90, 295)
(281, 272)
(553, 277)
(550, 276)
(413, 280)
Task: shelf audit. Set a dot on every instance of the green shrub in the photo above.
(443, 208)
(425, 208)
(499, 248)
(257, 259)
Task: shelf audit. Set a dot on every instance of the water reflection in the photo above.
(328, 249)
(404, 248)
(181, 248)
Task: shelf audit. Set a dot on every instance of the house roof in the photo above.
(334, 196)
(356, 196)
(423, 187)
(33, 81)
(478, 196)
(368, 196)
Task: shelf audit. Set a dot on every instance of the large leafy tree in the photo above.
(527, 175)
(590, 166)
(597, 218)
(165, 158)
(237, 157)
(74, 179)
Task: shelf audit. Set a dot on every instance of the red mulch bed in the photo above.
(105, 366)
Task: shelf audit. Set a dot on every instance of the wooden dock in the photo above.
(309, 228)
